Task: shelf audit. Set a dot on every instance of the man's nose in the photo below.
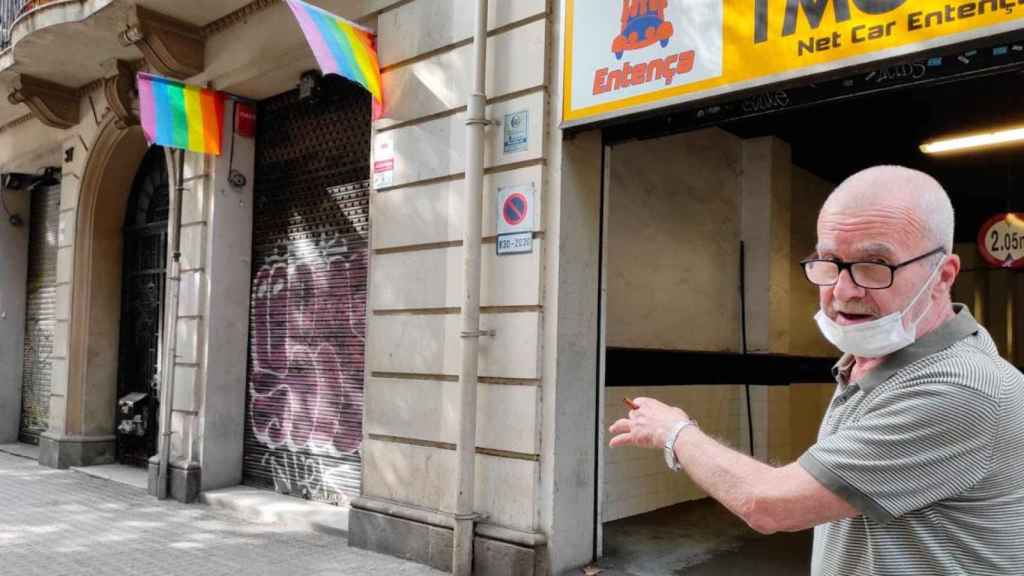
(845, 289)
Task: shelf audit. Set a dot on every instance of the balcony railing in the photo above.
(9, 12)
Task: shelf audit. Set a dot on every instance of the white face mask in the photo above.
(879, 337)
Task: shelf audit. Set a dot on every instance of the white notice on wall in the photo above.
(516, 132)
(384, 160)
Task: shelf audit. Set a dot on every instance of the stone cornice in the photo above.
(170, 46)
(16, 122)
(119, 89)
(54, 105)
(237, 17)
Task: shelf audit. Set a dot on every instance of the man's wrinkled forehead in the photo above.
(859, 250)
(887, 229)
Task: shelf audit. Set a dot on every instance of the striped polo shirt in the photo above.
(929, 447)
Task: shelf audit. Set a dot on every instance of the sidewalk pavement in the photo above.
(65, 523)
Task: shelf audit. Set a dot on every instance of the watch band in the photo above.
(670, 443)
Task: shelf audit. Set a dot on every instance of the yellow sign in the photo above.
(626, 56)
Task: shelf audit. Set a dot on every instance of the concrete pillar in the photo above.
(808, 404)
(1017, 281)
(997, 319)
(228, 255)
(184, 471)
(808, 194)
(208, 412)
(766, 233)
(94, 193)
(572, 279)
(70, 189)
(14, 255)
(979, 295)
(963, 288)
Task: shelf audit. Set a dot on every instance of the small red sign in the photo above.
(245, 120)
(515, 209)
(1001, 240)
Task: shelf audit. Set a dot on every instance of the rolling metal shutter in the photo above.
(308, 313)
(40, 313)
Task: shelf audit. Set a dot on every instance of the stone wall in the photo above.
(413, 345)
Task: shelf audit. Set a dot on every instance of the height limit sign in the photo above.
(515, 219)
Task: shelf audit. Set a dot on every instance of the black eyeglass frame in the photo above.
(849, 266)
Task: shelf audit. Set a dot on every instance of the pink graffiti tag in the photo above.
(305, 387)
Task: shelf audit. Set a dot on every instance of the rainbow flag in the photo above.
(181, 116)
(341, 47)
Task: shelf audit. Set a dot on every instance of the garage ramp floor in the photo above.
(699, 538)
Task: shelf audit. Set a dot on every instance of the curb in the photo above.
(268, 507)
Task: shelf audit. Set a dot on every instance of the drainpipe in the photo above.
(476, 121)
(173, 291)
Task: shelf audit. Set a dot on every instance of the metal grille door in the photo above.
(308, 314)
(142, 296)
(40, 313)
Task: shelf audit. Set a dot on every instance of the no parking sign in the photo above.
(515, 219)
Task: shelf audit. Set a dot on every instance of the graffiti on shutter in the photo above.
(308, 313)
(40, 317)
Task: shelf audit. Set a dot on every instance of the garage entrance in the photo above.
(307, 334)
(707, 212)
(40, 316)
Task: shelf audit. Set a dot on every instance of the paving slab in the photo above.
(61, 522)
(23, 450)
(130, 475)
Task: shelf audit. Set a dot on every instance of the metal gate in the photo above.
(40, 316)
(142, 295)
(308, 313)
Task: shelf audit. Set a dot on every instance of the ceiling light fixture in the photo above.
(974, 141)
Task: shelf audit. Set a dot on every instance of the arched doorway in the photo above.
(144, 272)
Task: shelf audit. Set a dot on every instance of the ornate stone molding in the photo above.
(171, 47)
(120, 92)
(237, 17)
(54, 105)
(16, 122)
(84, 91)
(240, 16)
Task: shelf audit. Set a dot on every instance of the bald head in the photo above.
(916, 195)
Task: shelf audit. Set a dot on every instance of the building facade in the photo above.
(312, 345)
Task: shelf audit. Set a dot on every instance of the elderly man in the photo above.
(919, 463)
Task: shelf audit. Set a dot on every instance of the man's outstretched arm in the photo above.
(768, 499)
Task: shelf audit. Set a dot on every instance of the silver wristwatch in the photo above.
(670, 443)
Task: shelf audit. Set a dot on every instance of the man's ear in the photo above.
(947, 275)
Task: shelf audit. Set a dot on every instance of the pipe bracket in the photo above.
(478, 333)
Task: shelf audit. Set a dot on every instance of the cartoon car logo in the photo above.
(643, 24)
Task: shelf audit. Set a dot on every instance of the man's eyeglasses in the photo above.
(870, 275)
